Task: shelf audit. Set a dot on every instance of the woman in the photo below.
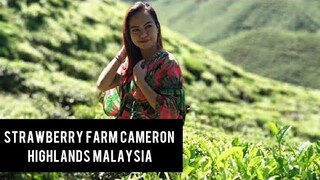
(143, 81)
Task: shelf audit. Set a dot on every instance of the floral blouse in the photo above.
(164, 77)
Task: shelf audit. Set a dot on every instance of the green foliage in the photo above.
(35, 16)
(58, 59)
(26, 109)
(48, 70)
(9, 35)
(233, 158)
(31, 176)
(85, 112)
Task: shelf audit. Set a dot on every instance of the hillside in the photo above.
(283, 55)
(53, 51)
(295, 22)
(51, 61)
(223, 19)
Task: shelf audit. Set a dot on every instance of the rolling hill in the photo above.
(284, 55)
(53, 51)
(226, 20)
(223, 19)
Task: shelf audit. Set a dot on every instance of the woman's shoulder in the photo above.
(168, 57)
(170, 64)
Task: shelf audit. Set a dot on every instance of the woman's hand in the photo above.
(139, 73)
(107, 78)
(122, 53)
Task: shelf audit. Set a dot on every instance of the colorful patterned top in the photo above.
(164, 77)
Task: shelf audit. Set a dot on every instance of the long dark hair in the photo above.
(133, 52)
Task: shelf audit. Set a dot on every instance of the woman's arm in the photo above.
(107, 78)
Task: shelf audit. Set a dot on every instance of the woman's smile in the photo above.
(144, 41)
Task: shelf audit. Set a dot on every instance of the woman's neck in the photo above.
(148, 54)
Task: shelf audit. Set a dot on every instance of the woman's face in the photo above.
(143, 30)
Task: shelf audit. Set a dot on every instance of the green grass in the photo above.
(49, 70)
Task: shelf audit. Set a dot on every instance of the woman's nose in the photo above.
(143, 33)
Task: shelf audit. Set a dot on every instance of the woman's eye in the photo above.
(134, 30)
(149, 26)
